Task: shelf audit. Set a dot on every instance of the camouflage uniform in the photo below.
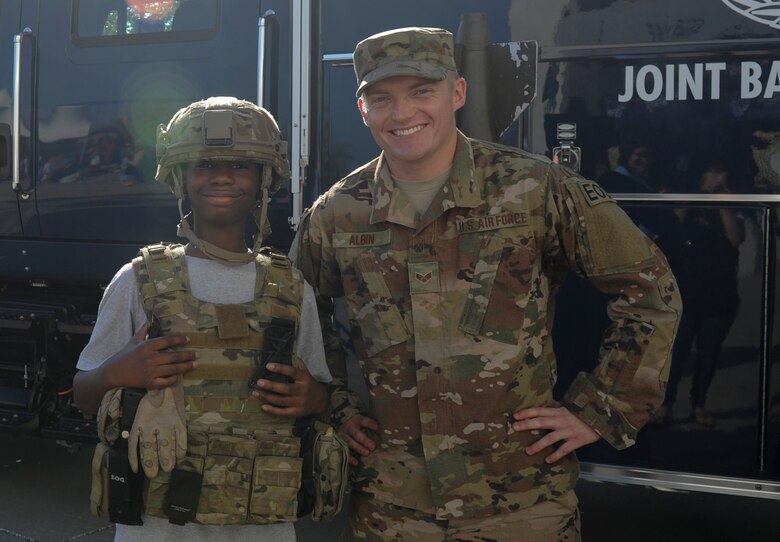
(554, 520)
(451, 313)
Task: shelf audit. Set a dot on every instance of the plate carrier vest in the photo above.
(245, 463)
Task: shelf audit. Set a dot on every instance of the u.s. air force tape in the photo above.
(492, 222)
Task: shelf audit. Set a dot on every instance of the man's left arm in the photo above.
(600, 242)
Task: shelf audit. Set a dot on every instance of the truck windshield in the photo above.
(99, 21)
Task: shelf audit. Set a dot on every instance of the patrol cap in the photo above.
(422, 52)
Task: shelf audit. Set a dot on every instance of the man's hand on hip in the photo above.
(563, 427)
(353, 431)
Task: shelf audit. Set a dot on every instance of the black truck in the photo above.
(674, 107)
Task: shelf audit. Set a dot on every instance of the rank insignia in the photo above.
(424, 277)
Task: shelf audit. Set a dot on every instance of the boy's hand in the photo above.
(148, 363)
(303, 397)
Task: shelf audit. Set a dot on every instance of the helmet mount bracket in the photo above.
(218, 128)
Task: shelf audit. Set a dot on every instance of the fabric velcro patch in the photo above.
(613, 242)
(593, 193)
(231, 321)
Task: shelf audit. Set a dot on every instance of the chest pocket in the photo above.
(500, 294)
(372, 308)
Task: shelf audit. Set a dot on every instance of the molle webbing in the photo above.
(228, 433)
(212, 340)
(229, 338)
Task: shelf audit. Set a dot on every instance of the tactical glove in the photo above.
(98, 495)
(159, 431)
(108, 416)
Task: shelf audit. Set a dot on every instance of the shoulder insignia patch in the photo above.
(593, 193)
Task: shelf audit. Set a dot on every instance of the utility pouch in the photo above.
(277, 347)
(241, 480)
(181, 501)
(325, 471)
(125, 489)
(119, 485)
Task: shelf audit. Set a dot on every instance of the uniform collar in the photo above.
(390, 204)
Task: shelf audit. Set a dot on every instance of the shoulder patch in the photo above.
(593, 194)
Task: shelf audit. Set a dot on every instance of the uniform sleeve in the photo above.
(601, 243)
(314, 256)
(120, 316)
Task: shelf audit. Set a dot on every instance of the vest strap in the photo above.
(165, 276)
(225, 404)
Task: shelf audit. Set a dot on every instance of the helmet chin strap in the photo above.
(260, 211)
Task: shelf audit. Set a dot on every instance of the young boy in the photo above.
(197, 325)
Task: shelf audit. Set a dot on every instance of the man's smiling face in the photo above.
(413, 120)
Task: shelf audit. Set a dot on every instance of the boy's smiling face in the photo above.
(222, 192)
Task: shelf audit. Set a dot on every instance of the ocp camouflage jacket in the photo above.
(451, 313)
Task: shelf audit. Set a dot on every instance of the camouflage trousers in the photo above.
(556, 520)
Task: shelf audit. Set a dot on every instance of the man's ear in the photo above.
(362, 108)
(459, 94)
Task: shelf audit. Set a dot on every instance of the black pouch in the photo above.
(304, 428)
(277, 347)
(125, 489)
(181, 501)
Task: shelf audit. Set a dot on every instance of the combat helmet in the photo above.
(223, 128)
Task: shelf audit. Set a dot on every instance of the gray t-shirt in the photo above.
(121, 315)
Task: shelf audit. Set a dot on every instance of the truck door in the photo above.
(10, 220)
